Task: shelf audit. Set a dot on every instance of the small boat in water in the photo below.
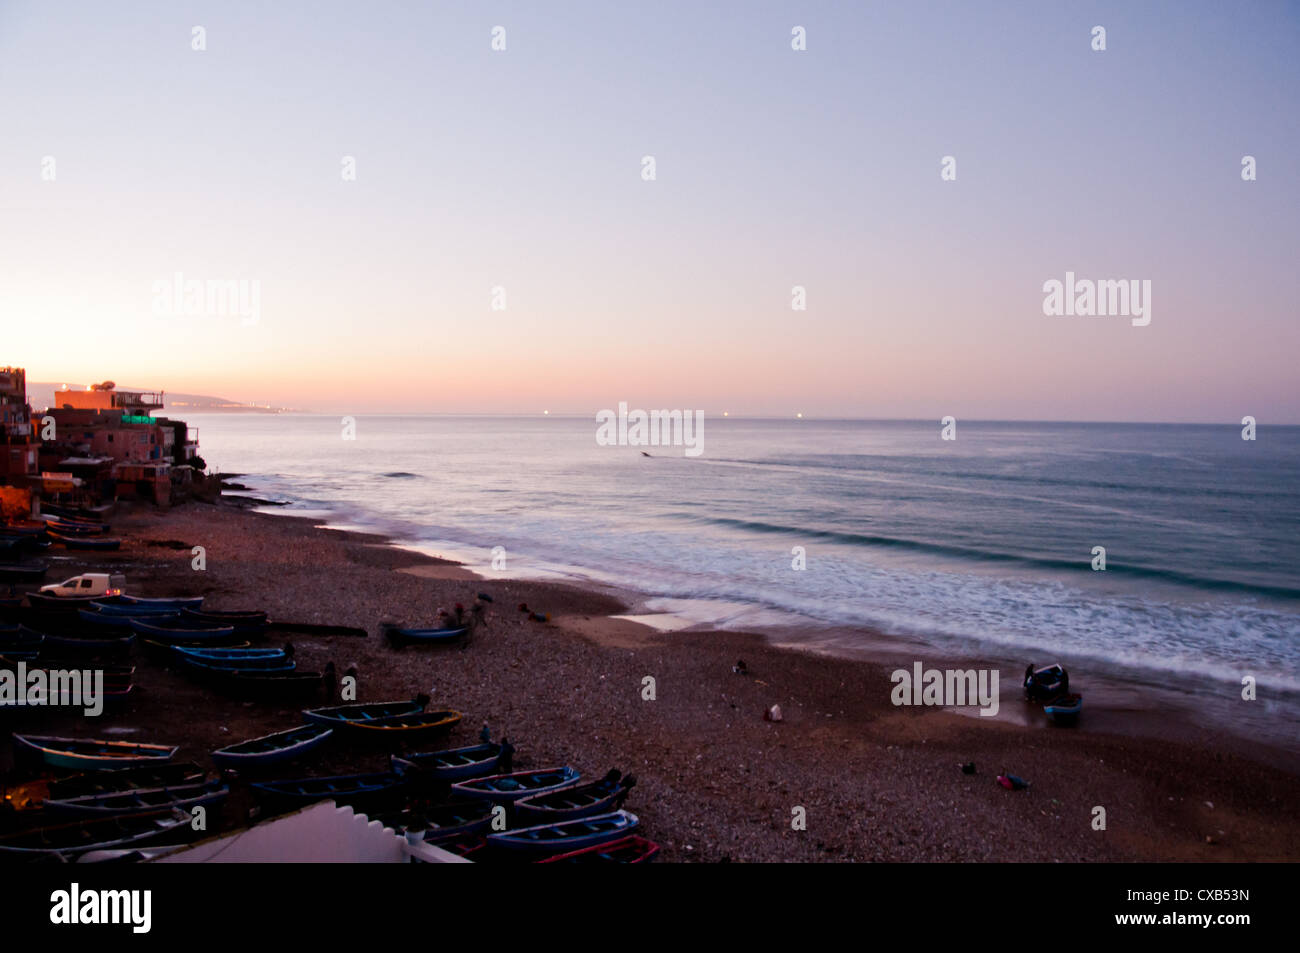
(453, 764)
(507, 788)
(579, 800)
(183, 796)
(272, 748)
(365, 711)
(1064, 709)
(398, 635)
(633, 849)
(70, 840)
(344, 789)
(86, 754)
(566, 836)
(401, 727)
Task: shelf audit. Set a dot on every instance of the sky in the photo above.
(522, 169)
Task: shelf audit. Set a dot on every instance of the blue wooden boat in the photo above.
(453, 764)
(199, 666)
(23, 572)
(566, 836)
(272, 748)
(125, 779)
(344, 789)
(163, 630)
(175, 603)
(579, 800)
(409, 726)
(244, 622)
(113, 610)
(224, 654)
(364, 712)
(1064, 709)
(183, 796)
(507, 788)
(399, 635)
(450, 820)
(84, 754)
(19, 638)
(56, 643)
(67, 841)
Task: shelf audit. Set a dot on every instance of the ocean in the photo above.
(984, 543)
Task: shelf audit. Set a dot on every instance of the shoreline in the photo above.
(716, 781)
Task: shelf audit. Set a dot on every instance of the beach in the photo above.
(716, 782)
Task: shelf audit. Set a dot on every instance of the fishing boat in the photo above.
(19, 638)
(69, 840)
(409, 726)
(224, 654)
(75, 524)
(45, 600)
(453, 819)
(350, 789)
(114, 610)
(579, 800)
(125, 779)
(272, 748)
(164, 630)
(166, 651)
(84, 754)
(59, 643)
(183, 796)
(234, 617)
(364, 711)
(175, 603)
(1064, 709)
(205, 667)
(1044, 684)
(398, 635)
(453, 764)
(262, 685)
(105, 543)
(566, 836)
(633, 849)
(511, 787)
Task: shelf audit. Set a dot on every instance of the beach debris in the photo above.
(773, 714)
(523, 607)
(968, 767)
(1012, 783)
(740, 668)
(1210, 805)
(539, 617)
(484, 597)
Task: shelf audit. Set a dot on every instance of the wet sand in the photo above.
(716, 782)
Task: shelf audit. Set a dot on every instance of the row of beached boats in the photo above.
(467, 800)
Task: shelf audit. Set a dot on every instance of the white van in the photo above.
(88, 584)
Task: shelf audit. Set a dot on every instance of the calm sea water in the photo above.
(985, 541)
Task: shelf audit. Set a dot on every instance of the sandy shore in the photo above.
(716, 782)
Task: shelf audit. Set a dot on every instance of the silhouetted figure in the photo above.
(483, 735)
(740, 668)
(330, 680)
(507, 761)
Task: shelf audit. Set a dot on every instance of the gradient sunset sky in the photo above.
(775, 168)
